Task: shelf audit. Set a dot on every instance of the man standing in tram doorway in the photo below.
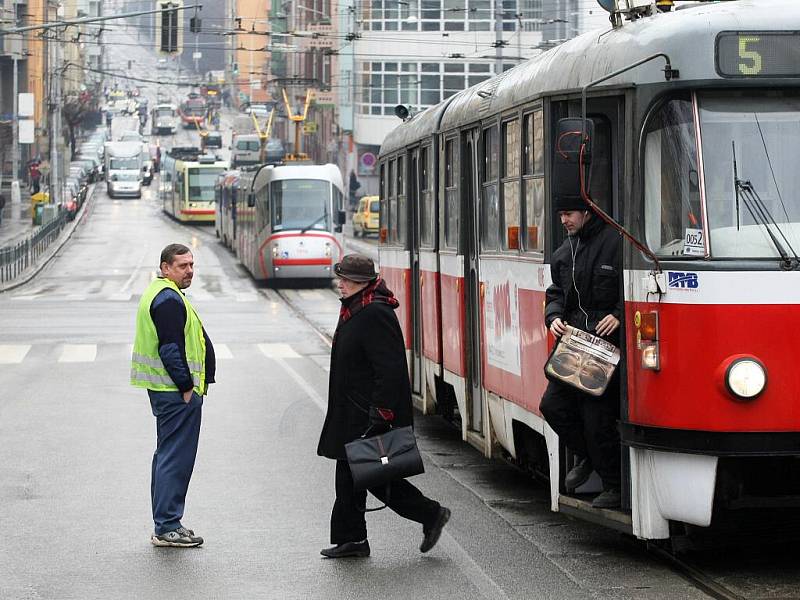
(369, 372)
(585, 293)
(174, 360)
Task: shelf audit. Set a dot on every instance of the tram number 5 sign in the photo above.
(758, 53)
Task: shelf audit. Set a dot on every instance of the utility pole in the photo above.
(497, 11)
(55, 121)
(15, 193)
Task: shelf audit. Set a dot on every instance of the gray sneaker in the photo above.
(179, 538)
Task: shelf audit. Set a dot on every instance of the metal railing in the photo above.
(16, 259)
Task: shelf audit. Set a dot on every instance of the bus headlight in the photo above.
(746, 378)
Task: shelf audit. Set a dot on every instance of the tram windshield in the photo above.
(165, 112)
(301, 204)
(201, 184)
(762, 134)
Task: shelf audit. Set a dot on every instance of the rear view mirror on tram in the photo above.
(251, 200)
(341, 217)
(572, 154)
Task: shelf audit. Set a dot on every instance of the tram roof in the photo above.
(686, 35)
(327, 172)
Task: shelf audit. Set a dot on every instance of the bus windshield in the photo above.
(761, 133)
(300, 204)
(201, 184)
(124, 163)
(165, 112)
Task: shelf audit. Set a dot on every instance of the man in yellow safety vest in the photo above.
(174, 360)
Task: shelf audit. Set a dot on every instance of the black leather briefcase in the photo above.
(380, 459)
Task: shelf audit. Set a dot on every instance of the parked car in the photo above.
(367, 218)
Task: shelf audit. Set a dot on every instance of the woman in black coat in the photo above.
(368, 370)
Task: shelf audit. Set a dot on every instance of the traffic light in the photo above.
(170, 26)
(195, 24)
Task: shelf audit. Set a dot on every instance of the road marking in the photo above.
(201, 295)
(126, 287)
(246, 297)
(221, 351)
(310, 294)
(310, 391)
(120, 297)
(78, 353)
(13, 354)
(75, 297)
(278, 351)
(471, 570)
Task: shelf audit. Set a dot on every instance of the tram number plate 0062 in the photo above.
(758, 53)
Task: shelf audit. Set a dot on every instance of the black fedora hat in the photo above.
(356, 267)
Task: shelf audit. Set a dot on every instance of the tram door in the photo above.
(470, 211)
(416, 299)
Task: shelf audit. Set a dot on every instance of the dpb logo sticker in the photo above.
(683, 281)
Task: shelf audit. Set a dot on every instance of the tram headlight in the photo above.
(275, 250)
(746, 378)
(327, 249)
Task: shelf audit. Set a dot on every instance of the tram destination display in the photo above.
(758, 54)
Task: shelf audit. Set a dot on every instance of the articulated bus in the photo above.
(186, 188)
(289, 221)
(695, 115)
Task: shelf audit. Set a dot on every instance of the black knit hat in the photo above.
(566, 203)
(356, 267)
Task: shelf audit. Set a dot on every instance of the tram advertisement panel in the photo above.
(501, 317)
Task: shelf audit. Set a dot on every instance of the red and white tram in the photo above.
(696, 161)
(289, 221)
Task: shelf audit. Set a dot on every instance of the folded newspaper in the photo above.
(583, 361)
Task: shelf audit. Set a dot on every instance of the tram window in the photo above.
(392, 185)
(384, 194)
(427, 209)
(511, 185)
(399, 217)
(672, 196)
(490, 209)
(451, 221)
(533, 181)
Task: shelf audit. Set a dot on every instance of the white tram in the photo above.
(289, 221)
(696, 115)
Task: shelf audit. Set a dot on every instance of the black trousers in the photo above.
(347, 521)
(587, 425)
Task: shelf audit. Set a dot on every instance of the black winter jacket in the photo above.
(598, 269)
(368, 368)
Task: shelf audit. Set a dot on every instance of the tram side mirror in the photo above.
(570, 153)
(340, 218)
(251, 200)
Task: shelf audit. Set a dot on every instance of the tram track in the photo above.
(701, 580)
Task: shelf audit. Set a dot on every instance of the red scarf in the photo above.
(374, 292)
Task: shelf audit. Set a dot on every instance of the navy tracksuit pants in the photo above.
(178, 431)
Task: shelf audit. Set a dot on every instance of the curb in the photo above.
(56, 248)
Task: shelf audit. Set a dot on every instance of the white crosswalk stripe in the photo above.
(13, 354)
(78, 353)
(278, 351)
(222, 352)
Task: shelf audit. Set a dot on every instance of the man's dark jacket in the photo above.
(368, 368)
(598, 270)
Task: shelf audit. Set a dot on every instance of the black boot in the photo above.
(578, 475)
(356, 549)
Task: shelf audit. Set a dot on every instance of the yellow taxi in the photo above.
(367, 217)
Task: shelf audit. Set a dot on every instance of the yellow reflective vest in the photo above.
(147, 370)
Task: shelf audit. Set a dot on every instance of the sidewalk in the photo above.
(16, 224)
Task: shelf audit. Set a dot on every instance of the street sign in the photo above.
(26, 131)
(25, 105)
(310, 127)
(197, 55)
